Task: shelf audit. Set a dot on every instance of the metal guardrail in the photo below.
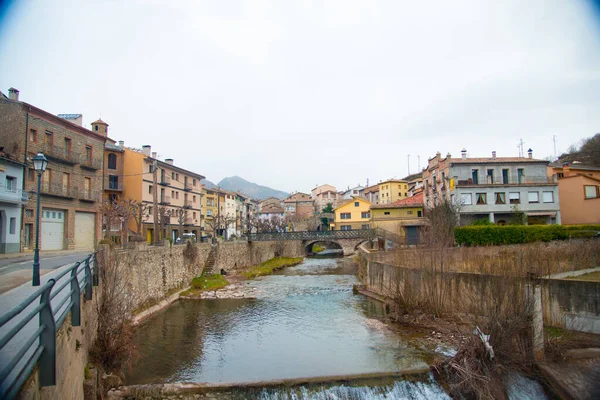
(35, 344)
(312, 235)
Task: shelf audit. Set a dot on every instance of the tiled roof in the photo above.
(414, 201)
(392, 180)
(70, 116)
(273, 210)
(371, 189)
(579, 176)
(576, 166)
(348, 201)
(499, 160)
(99, 121)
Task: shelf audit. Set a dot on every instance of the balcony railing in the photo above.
(165, 180)
(187, 204)
(87, 195)
(164, 200)
(187, 187)
(112, 185)
(60, 154)
(58, 190)
(524, 180)
(13, 195)
(89, 163)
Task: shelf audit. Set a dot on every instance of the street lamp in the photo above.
(39, 164)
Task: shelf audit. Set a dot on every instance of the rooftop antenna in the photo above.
(554, 141)
(520, 146)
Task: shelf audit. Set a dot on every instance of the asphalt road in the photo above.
(46, 261)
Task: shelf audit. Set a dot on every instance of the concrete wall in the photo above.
(567, 304)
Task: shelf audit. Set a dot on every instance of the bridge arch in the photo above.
(308, 244)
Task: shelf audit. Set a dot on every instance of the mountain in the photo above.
(237, 184)
(208, 184)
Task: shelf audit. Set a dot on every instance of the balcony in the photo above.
(190, 221)
(187, 187)
(523, 181)
(13, 195)
(59, 154)
(89, 163)
(87, 195)
(109, 184)
(164, 200)
(165, 180)
(58, 190)
(187, 204)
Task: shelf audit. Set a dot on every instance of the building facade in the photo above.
(498, 189)
(392, 190)
(579, 192)
(12, 199)
(323, 195)
(298, 205)
(71, 191)
(404, 218)
(352, 214)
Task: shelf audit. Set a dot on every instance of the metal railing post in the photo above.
(89, 279)
(47, 361)
(75, 298)
(96, 270)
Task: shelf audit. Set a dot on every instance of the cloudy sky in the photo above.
(292, 94)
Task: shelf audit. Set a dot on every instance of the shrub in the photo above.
(271, 265)
(516, 234)
(482, 222)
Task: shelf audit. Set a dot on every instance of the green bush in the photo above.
(482, 222)
(515, 234)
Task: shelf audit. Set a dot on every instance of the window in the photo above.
(209, 213)
(65, 183)
(419, 214)
(514, 198)
(113, 182)
(33, 136)
(591, 192)
(29, 213)
(386, 213)
(150, 189)
(534, 197)
(67, 147)
(87, 187)
(96, 127)
(365, 214)
(356, 204)
(365, 226)
(149, 210)
(548, 197)
(172, 175)
(465, 198)
(11, 183)
(500, 197)
(345, 215)
(560, 175)
(13, 225)
(481, 198)
(30, 174)
(112, 161)
(505, 176)
(193, 199)
(113, 198)
(475, 176)
(346, 227)
(490, 176)
(150, 168)
(193, 182)
(88, 153)
(48, 140)
(520, 175)
(194, 214)
(409, 213)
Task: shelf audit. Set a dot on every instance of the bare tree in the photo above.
(116, 216)
(181, 214)
(139, 213)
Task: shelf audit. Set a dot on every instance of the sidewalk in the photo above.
(29, 253)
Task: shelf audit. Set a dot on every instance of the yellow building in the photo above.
(352, 214)
(209, 209)
(392, 190)
(403, 217)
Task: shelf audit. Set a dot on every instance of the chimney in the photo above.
(146, 150)
(169, 161)
(121, 143)
(494, 155)
(153, 154)
(463, 152)
(448, 155)
(13, 94)
(530, 153)
(566, 170)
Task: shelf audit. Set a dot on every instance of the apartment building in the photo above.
(494, 188)
(178, 194)
(392, 190)
(271, 201)
(404, 218)
(352, 214)
(298, 205)
(71, 192)
(323, 195)
(579, 192)
(209, 209)
(349, 193)
(371, 193)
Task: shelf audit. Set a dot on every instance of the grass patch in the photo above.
(317, 249)
(591, 277)
(553, 332)
(271, 265)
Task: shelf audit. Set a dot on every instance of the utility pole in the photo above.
(554, 141)
(419, 162)
(408, 157)
(155, 199)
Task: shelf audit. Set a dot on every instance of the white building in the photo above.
(12, 197)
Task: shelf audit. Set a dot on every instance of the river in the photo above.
(305, 322)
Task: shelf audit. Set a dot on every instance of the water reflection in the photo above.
(306, 322)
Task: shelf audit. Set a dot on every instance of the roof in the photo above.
(298, 197)
(353, 199)
(113, 147)
(414, 201)
(371, 189)
(576, 166)
(579, 176)
(392, 180)
(499, 160)
(99, 121)
(272, 209)
(70, 116)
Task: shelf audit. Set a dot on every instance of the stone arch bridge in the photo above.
(347, 240)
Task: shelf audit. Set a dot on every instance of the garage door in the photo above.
(84, 230)
(53, 229)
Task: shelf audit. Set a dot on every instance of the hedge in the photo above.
(515, 234)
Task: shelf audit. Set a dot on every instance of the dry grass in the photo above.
(591, 277)
(539, 259)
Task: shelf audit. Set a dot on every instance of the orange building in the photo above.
(579, 192)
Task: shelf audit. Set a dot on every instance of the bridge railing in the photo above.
(25, 343)
(313, 235)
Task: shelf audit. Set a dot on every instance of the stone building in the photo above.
(323, 195)
(71, 192)
(12, 198)
(298, 205)
(498, 189)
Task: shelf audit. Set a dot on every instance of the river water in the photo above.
(305, 322)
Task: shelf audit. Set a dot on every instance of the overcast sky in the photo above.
(291, 94)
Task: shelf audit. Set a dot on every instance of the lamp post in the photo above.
(39, 164)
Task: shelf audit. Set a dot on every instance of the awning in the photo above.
(541, 213)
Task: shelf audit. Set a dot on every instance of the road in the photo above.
(15, 271)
